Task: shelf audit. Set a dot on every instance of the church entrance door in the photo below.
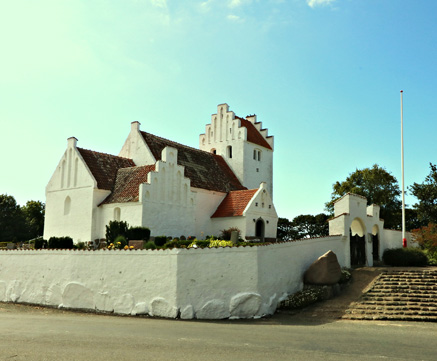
(259, 229)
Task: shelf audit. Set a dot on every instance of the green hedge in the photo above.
(405, 257)
(138, 234)
(60, 242)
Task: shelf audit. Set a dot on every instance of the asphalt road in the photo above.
(37, 334)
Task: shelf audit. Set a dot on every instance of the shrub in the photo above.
(304, 298)
(220, 244)
(402, 257)
(182, 238)
(177, 243)
(160, 240)
(119, 243)
(203, 244)
(149, 245)
(426, 237)
(40, 243)
(60, 243)
(115, 229)
(226, 233)
(81, 245)
(138, 233)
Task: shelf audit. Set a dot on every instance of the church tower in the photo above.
(243, 144)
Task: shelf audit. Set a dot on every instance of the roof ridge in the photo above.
(103, 153)
(177, 143)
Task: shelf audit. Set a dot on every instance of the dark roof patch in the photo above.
(205, 170)
(127, 184)
(104, 166)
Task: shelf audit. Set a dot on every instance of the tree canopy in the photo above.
(378, 186)
(303, 226)
(426, 193)
(34, 212)
(20, 223)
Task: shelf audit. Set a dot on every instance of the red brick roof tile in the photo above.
(127, 183)
(253, 135)
(205, 170)
(104, 166)
(234, 203)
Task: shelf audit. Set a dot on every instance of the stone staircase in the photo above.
(404, 295)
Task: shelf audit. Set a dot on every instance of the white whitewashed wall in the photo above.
(217, 283)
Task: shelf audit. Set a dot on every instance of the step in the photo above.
(398, 295)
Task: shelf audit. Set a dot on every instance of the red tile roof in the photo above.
(104, 166)
(205, 170)
(234, 203)
(127, 183)
(253, 135)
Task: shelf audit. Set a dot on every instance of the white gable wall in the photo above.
(136, 148)
(226, 131)
(71, 198)
(168, 202)
(261, 207)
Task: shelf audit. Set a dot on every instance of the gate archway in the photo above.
(357, 243)
(375, 243)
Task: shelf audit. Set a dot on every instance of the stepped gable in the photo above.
(253, 135)
(104, 166)
(127, 184)
(205, 170)
(403, 295)
(234, 203)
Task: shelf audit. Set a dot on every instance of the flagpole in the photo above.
(404, 239)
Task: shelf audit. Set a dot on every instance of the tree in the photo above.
(309, 226)
(285, 231)
(12, 221)
(303, 226)
(426, 237)
(426, 193)
(34, 213)
(115, 229)
(378, 186)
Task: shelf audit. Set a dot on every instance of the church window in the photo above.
(67, 206)
(214, 151)
(257, 154)
(117, 214)
(229, 151)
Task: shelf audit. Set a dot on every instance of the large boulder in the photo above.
(324, 271)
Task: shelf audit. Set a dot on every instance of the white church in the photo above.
(168, 187)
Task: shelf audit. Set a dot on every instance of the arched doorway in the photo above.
(375, 243)
(259, 229)
(357, 243)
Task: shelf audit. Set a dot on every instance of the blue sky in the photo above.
(322, 75)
